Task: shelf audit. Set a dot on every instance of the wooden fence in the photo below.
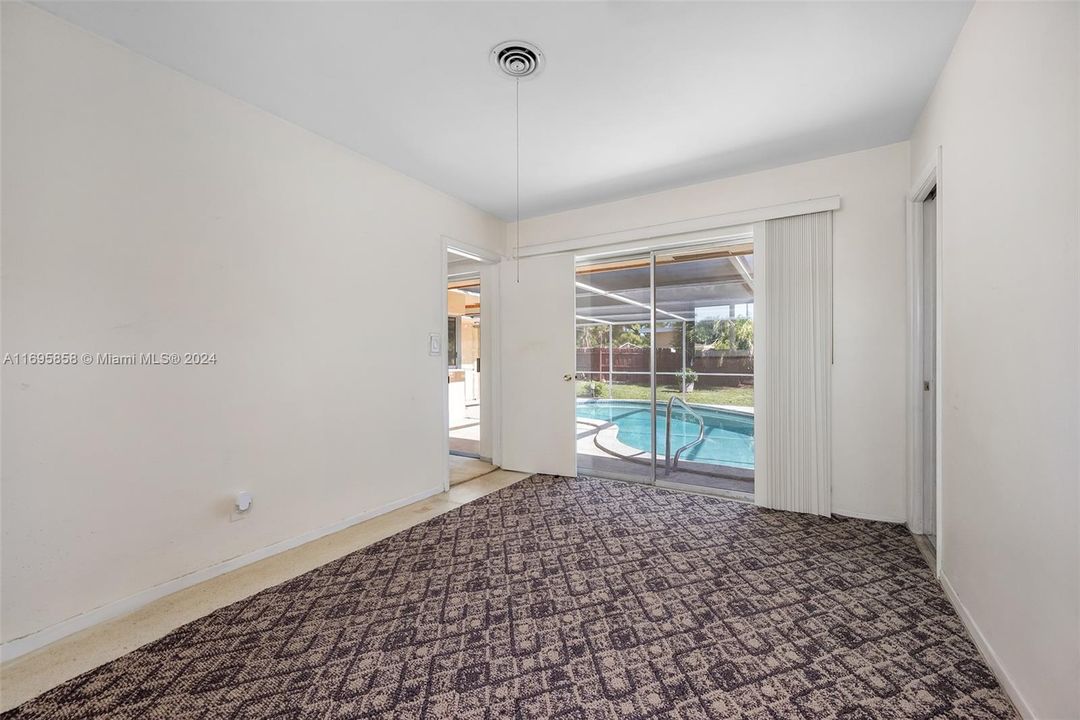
(631, 365)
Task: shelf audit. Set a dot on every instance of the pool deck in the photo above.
(465, 428)
(745, 410)
(595, 438)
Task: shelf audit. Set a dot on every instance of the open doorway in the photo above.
(465, 353)
(463, 365)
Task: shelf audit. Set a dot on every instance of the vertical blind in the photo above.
(793, 363)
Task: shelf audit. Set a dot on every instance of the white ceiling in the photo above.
(635, 97)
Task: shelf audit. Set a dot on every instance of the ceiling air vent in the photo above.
(517, 59)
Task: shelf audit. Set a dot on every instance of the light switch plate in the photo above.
(434, 344)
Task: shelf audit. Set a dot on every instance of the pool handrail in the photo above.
(673, 463)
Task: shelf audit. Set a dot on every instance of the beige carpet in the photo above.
(574, 598)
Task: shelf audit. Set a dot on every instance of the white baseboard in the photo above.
(988, 653)
(39, 639)
(865, 516)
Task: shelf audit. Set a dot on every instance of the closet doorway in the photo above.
(925, 480)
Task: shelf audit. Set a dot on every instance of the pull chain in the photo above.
(517, 179)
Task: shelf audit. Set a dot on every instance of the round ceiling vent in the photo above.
(517, 59)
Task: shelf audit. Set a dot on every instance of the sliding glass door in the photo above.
(665, 364)
(705, 367)
(614, 388)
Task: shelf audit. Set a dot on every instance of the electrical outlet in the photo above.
(243, 506)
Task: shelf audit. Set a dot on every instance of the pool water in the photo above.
(729, 436)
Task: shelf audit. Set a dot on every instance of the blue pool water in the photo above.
(729, 436)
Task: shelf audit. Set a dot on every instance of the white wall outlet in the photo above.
(243, 506)
(434, 344)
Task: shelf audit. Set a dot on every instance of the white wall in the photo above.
(1005, 115)
(870, 297)
(146, 212)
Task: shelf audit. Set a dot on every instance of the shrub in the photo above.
(593, 388)
(688, 376)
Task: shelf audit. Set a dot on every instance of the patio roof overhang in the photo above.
(621, 295)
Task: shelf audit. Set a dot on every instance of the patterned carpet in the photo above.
(559, 598)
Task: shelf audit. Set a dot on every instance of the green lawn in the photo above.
(741, 396)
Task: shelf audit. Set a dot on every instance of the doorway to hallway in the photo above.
(468, 357)
(463, 365)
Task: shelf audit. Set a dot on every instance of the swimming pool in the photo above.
(729, 436)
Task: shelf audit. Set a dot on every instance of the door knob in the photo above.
(568, 377)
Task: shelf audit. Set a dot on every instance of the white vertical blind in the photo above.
(793, 363)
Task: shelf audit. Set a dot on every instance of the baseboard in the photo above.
(988, 653)
(39, 639)
(865, 516)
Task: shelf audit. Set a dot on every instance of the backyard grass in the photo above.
(741, 396)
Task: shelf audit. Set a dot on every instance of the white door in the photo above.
(537, 365)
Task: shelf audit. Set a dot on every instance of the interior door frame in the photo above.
(489, 361)
(928, 180)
